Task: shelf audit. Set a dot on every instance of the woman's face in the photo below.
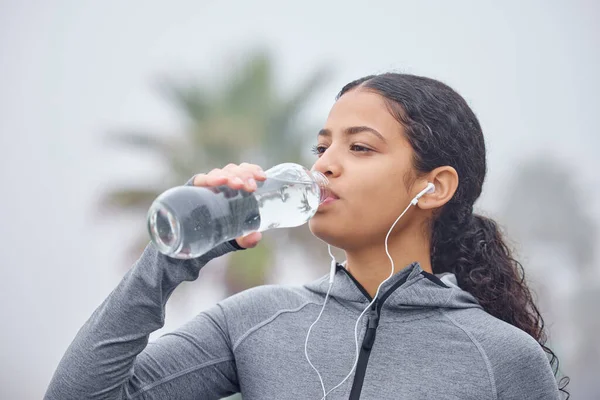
(363, 152)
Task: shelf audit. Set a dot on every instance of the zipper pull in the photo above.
(372, 324)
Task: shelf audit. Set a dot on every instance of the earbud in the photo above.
(430, 188)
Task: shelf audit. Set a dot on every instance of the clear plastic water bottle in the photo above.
(187, 221)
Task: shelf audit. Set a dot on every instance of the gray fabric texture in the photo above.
(433, 342)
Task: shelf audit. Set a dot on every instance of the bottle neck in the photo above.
(323, 184)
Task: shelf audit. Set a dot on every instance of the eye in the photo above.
(359, 148)
(318, 150)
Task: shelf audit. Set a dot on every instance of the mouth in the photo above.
(331, 197)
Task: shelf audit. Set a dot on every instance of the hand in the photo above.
(243, 176)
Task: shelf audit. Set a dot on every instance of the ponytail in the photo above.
(472, 248)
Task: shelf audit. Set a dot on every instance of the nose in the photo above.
(327, 165)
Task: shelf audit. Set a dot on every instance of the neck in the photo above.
(371, 265)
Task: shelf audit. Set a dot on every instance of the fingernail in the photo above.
(252, 183)
(262, 174)
(237, 180)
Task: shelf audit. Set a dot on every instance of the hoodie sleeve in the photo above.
(109, 359)
(522, 371)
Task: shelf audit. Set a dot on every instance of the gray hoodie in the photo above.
(425, 338)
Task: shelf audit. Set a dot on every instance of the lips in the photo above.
(331, 197)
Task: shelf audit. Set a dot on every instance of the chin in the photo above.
(327, 231)
(320, 228)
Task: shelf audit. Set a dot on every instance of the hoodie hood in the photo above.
(410, 288)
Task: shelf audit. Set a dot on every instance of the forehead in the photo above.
(360, 107)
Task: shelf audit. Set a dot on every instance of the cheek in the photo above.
(380, 187)
(364, 217)
(377, 204)
(373, 194)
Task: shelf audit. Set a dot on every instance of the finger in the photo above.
(216, 180)
(252, 173)
(227, 177)
(231, 168)
(245, 173)
(257, 172)
(249, 241)
(213, 178)
(202, 180)
(243, 176)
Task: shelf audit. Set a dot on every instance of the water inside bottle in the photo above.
(285, 204)
(195, 220)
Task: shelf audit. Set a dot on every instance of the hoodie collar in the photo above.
(409, 288)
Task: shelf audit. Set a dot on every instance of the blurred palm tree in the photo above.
(243, 118)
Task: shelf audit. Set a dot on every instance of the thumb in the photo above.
(250, 240)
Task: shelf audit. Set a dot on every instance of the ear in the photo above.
(445, 180)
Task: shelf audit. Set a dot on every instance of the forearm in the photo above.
(98, 364)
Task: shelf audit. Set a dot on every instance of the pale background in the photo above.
(70, 71)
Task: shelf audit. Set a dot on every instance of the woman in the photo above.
(440, 307)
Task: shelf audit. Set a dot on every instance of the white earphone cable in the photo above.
(370, 304)
(333, 265)
(429, 189)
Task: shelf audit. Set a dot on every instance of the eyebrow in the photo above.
(353, 130)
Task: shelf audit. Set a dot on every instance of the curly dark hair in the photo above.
(443, 130)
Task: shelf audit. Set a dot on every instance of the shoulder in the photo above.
(267, 297)
(253, 308)
(517, 363)
(491, 332)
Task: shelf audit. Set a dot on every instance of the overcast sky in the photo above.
(72, 70)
